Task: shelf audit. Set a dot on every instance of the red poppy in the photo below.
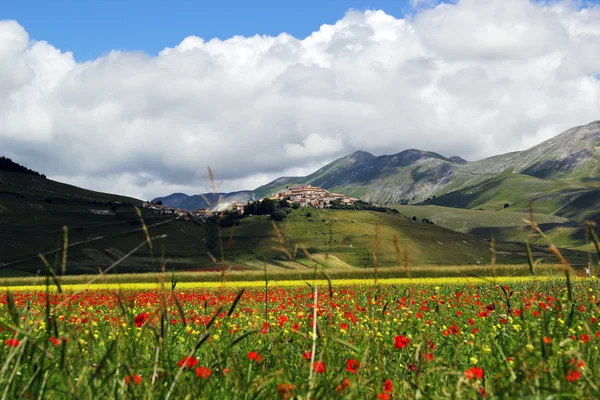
(55, 341)
(474, 372)
(352, 365)
(319, 367)
(188, 362)
(344, 385)
(137, 379)
(401, 342)
(12, 342)
(482, 391)
(387, 386)
(140, 319)
(383, 396)
(203, 372)
(573, 376)
(585, 338)
(547, 340)
(307, 355)
(285, 390)
(225, 371)
(253, 355)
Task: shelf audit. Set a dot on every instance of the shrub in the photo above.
(278, 215)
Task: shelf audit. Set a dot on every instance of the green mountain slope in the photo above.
(384, 179)
(503, 224)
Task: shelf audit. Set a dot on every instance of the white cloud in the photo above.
(314, 145)
(473, 79)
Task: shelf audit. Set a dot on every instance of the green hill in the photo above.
(503, 224)
(33, 211)
(574, 200)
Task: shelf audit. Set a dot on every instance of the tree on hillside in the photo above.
(250, 209)
(278, 215)
(266, 207)
(6, 164)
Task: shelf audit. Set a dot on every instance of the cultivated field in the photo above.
(480, 337)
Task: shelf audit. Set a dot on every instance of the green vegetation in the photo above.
(34, 211)
(301, 271)
(497, 338)
(560, 207)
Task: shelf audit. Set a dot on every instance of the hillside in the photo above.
(33, 211)
(503, 224)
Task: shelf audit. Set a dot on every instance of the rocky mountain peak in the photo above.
(457, 160)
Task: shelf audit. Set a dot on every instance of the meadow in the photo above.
(475, 337)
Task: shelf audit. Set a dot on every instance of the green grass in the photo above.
(503, 225)
(301, 273)
(514, 189)
(465, 220)
(505, 338)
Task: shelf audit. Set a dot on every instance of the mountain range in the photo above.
(566, 166)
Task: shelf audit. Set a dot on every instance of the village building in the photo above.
(239, 208)
(202, 213)
(308, 195)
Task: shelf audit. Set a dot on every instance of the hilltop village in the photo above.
(307, 195)
(297, 196)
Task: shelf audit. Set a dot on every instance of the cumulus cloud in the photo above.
(474, 78)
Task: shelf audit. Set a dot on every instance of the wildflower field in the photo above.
(461, 338)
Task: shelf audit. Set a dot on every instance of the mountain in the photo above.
(574, 155)
(214, 201)
(384, 179)
(413, 176)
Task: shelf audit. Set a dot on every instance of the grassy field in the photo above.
(276, 274)
(507, 337)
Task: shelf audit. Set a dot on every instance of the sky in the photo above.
(140, 97)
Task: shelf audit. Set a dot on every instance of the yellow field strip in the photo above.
(295, 283)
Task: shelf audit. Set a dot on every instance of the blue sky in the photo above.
(92, 28)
